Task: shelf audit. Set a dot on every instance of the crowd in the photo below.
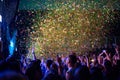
(102, 66)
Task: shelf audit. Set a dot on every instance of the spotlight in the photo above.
(0, 18)
(11, 47)
(11, 44)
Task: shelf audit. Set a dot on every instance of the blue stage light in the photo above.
(12, 45)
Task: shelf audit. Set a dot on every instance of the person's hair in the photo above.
(107, 65)
(72, 59)
(54, 68)
(48, 63)
(82, 73)
(96, 73)
(34, 71)
(51, 76)
(11, 75)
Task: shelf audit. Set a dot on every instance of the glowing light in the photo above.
(11, 44)
(0, 18)
(11, 47)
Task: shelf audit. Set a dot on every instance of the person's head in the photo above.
(51, 76)
(11, 75)
(101, 60)
(82, 73)
(71, 60)
(107, 65)
(96, 73)
(49, 63)
(36, 62)
(10, 64)
(59, 60)
(33, 71)
(54, 68)
(3, 65)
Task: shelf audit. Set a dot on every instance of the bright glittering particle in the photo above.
(68, 26)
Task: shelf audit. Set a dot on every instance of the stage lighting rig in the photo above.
(8, 10)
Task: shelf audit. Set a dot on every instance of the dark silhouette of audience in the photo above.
(102, 66)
